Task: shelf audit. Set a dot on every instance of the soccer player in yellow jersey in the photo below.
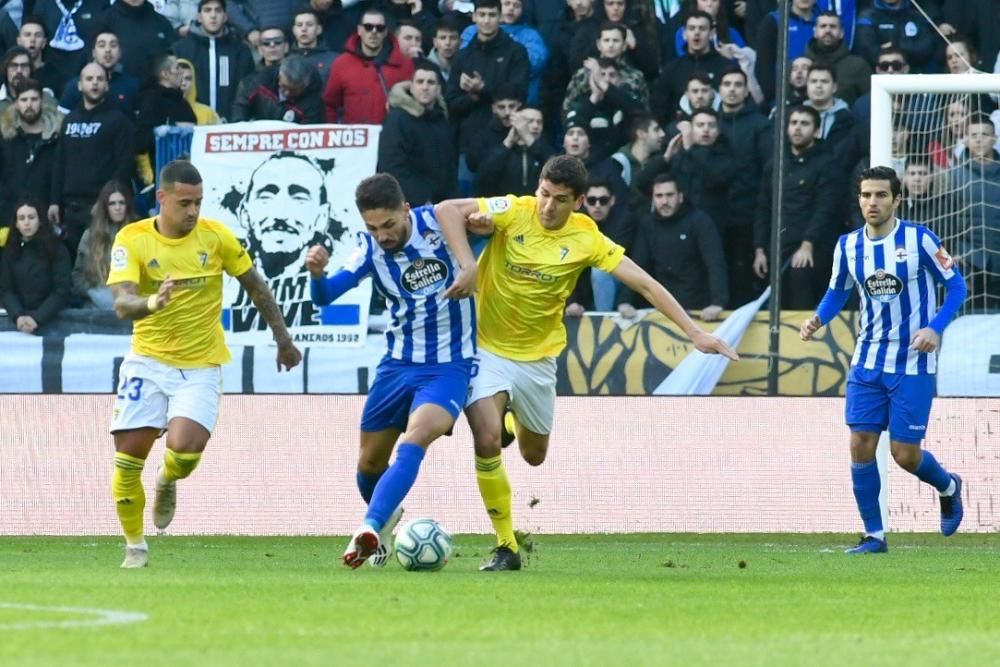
(166, 275)
(529, 268)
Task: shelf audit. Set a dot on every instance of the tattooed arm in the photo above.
(262, 297)
(130, 306)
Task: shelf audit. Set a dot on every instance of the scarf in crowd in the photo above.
(67, 38)
(665, 9)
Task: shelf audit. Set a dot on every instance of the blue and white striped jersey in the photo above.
(425, 327)
(895, 277)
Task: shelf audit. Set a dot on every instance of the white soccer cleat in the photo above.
(164, 502)
(135, 557)
(364, 543)
(386, 541)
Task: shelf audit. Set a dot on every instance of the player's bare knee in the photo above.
(533, 457)
(863, 446)
(422, 435)
(136, 442)
(371, 466)
(907, 456)
(486, 441)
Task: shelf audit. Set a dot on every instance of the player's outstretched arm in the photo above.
(632, 275)
(262, 297)
(129, 305)
(324, 289)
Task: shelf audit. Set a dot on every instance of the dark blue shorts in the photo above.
(876, 400)
(400, 387)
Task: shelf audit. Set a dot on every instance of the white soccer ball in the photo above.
(422, 545)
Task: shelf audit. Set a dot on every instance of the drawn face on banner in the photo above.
(281, 190)
(284, 217)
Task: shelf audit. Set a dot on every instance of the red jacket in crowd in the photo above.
(357, 90)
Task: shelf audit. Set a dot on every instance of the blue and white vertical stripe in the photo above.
(425, 327)
(895, 276)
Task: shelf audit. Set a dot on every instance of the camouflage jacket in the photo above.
(579, 87)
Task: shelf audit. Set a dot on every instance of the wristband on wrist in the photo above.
(152, 303)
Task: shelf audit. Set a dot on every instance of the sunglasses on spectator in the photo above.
(274, 41)
(599, 201)
(891, 65)
(373, 27)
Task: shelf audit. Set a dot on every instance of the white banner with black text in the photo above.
(283, 188)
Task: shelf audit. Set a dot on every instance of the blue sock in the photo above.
(394, 485)
(930, 471)
(366, 484)
(867, 485)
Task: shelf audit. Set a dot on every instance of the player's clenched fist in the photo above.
(316, 260)
(479, 223)
(809, 327)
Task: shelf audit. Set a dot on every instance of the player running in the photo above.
(894, 264)
(166, 275)
(529, 268)
(422, 381)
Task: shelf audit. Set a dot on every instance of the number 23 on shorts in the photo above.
(133, 387)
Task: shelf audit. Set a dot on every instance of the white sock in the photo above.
(878, 535)
(950, 490)
(141, 544)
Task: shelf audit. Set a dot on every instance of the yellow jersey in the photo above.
(526, 274)
(187, 333)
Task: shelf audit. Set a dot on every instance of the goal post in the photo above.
(884, 86)
(922, 120)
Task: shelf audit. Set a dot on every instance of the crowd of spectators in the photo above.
(670, 103)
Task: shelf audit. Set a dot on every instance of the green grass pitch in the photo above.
(581, 600)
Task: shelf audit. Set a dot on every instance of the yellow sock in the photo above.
(178, 465)
(494, 487)
(130, 499)
(510, 423)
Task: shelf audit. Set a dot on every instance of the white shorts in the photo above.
(150, 394)
(531, 386)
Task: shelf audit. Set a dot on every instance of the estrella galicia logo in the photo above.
(883, 287)
(424, 276)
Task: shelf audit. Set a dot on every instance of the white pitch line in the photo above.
(100, 617)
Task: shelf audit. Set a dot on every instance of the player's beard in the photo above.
(394, 247)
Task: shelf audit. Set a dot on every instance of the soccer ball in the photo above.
(422, 545)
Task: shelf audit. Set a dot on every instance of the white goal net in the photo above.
(940, 133)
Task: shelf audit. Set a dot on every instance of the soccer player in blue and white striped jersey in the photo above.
(427, 273)
(896, 266)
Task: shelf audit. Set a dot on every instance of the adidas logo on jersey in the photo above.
(519, 239)
(153, 264)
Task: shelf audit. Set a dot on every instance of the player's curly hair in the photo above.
(566, 170)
